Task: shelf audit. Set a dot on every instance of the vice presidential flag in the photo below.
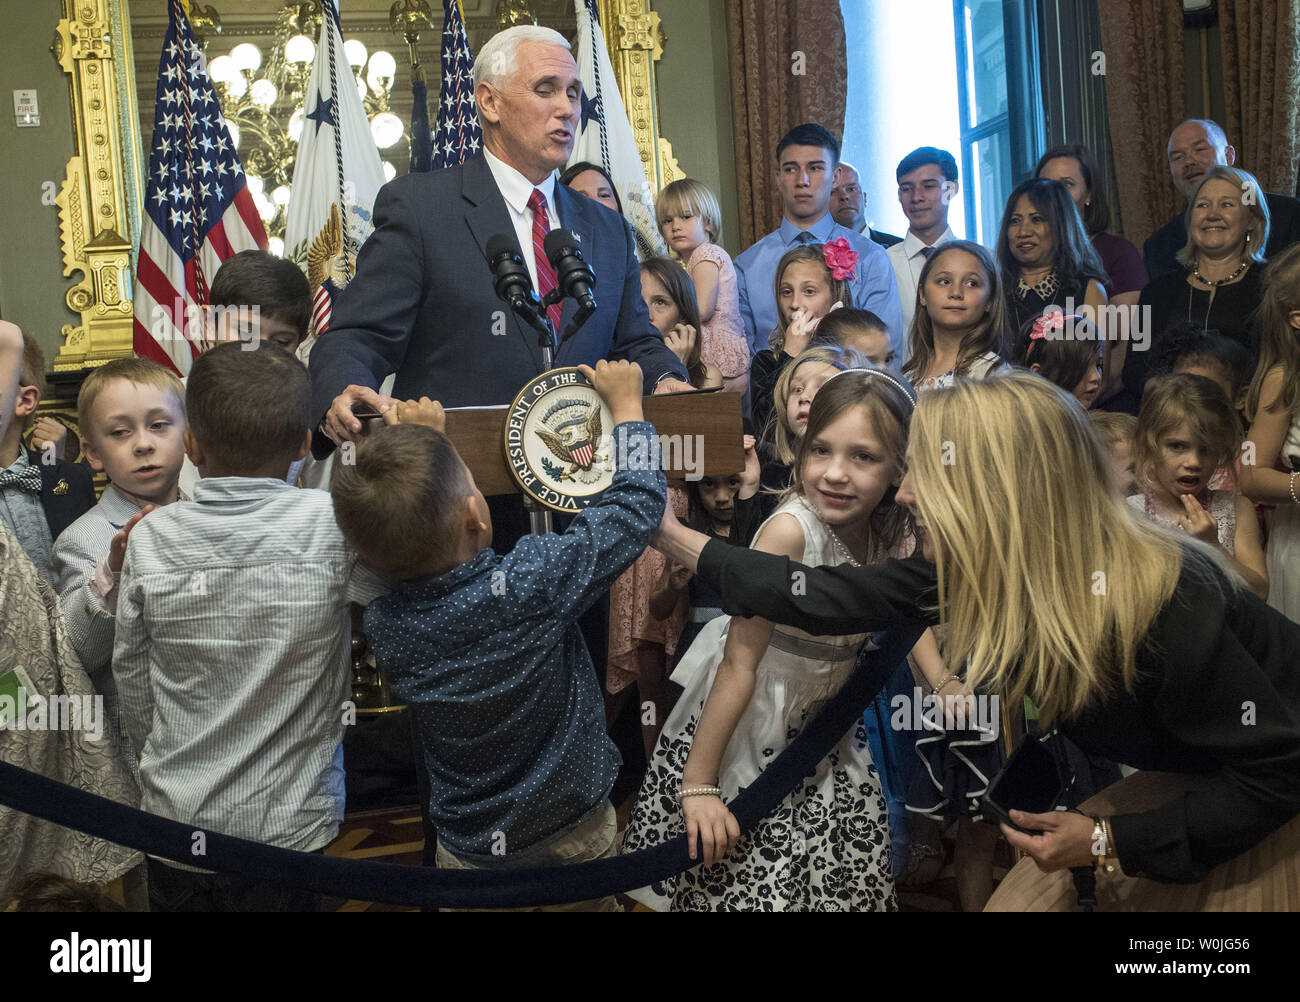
(605, 134)
(336, 177)
(198, 210)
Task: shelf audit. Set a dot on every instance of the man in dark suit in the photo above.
(848, 206)
(1195, 146)
(422, 302)
(40, 495)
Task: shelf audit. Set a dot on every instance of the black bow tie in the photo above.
(28, 480)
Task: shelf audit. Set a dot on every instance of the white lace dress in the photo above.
(1283, 550)
(826, 846)
(1222, 508)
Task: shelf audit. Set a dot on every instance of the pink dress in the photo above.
(630, 622)
(724, 344)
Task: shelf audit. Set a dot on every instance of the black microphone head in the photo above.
(499, 245)
(560, 243)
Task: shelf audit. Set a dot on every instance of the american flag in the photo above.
(198, 209)
(456, 135)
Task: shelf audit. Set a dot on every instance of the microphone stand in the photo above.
(539, 516)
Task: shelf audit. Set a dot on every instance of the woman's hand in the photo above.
(1199, 522)
(1066, 840)
(715, 826)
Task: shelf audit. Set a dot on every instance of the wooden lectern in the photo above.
(712, 421)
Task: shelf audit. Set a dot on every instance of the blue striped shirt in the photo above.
(231, 659)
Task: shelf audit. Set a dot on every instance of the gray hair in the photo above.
(1255, 205)
(497, 60)
(1213, 132)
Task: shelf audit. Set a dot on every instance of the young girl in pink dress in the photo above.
(690, 220)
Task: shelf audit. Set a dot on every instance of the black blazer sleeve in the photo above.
(374, 316)
(1228, 691)
(827, 601)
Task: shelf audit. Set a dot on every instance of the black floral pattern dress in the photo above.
(826, 847)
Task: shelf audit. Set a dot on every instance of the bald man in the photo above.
(1195, 146)
(848, 209)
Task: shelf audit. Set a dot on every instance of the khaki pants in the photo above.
(592, 838)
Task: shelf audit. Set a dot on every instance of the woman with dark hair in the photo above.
(1136, 641)
(1047, 261)
(1076, 168)
(591, 180)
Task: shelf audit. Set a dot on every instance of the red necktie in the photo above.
(546, 280)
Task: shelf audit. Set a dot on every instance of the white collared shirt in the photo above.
(908, 261)
(517, 190)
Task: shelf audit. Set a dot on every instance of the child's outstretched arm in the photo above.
(707, 816)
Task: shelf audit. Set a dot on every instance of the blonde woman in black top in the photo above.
(1137, 641)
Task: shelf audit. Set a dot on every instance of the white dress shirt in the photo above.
(908, 260)
(517, 190)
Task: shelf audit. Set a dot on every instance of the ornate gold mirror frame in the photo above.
(99, 199)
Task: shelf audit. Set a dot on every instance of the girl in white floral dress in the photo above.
(750, 688)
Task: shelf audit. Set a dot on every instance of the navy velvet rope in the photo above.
(419, 887)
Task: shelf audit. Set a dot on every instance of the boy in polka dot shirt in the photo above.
(486, 649)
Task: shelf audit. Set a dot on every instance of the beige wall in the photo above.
(31, 264)
(694, 86)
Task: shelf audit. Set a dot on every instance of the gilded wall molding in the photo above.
(99, 198)
(635, 41)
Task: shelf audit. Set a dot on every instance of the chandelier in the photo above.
(262, 98)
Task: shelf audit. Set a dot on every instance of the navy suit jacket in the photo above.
(422, 302)
(1158, 253)
(67, 492)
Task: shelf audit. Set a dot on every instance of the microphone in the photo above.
(573, 275)
(510, 275)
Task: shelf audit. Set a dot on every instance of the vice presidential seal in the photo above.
(558, 441)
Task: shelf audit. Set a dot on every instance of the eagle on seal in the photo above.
(571, 434)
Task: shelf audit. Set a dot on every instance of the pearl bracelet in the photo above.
(1293, 495)
(944, 681)
(699, 791)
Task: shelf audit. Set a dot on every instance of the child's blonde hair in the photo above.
(688, 197)
(889, 411)
(1113, 427)
(1168, 402)
(841, 291)
(780, 434)
(134, 370)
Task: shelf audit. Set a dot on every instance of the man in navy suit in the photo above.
(40, 495)
(422, 303)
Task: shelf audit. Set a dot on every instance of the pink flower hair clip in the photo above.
(841, 259)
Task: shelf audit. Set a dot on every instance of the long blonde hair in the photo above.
(1048, 580)
(1279, 343)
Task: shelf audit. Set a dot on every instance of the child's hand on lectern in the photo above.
(619, 385)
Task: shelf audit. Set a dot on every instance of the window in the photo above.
(948, 73)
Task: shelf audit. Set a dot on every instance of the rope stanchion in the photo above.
(417, 887)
